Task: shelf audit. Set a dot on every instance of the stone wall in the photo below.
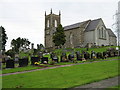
(112, 41)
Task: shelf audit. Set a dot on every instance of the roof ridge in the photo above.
(77, 23)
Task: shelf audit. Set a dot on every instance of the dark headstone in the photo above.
(105, 55)
(40, 54)
(86, 55)
(10, 63)
(44, 60)
(71, 57)
(55, 58)
(34, 59)
(116, 53)
(78, 55)
(23, 62)
(64, 57)
(110, 53)
(51, 55)
(99, 55)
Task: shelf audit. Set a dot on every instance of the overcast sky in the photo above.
(25, 18)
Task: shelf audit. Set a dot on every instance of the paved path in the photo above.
(52, 67)
(107, 83)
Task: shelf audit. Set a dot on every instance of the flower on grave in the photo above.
(94, 57)
(83, 59)
(36, 63)
(45, 62)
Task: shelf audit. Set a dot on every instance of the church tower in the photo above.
(51, 22)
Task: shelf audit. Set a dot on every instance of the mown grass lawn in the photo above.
(63, 77)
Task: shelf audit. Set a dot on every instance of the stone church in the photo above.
(82, 34)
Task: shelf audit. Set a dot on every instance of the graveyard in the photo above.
(87, 65)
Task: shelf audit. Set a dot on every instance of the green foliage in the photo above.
(59, 36)
(63, 77)
(4, 38)
(10, 53)
(40, 47)
(52, 62)
(20, 43)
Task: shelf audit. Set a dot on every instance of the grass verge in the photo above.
(63, 77)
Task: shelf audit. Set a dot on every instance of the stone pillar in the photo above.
(32, 46)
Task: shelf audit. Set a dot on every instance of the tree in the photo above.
(4, 38)
(10, 53)
(41, 46)
(59, 36)
(20, 43)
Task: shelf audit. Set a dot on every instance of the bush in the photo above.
(52, 62)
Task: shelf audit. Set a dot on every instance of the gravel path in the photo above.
(52, 67)
(107, 83)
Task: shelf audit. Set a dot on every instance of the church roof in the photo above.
(110, 32)
(93, 24)
(76, 25)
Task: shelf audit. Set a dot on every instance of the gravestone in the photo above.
(55, 58)
(71, 57)
(110, 52)
(40, 54)
(115, 53)
(34, 59)
(10, 63)
(93, 55)
(23, 62)
(64, 57)
(118, 52)
(44, 60)
(86, 55)
(99, 55)
(51, 54)
(78, 56)
(16, 58)
(105, 54)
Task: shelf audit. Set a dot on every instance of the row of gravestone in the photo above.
(86, 55)
(44, 60)
(24, 62)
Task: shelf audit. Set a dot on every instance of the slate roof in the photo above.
(76, 25)
(93, 24)
(110, 32)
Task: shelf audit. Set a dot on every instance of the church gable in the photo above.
(93, 25)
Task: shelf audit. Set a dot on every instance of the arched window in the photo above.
(55, 23)
(99, 33)
(71, 38)
(105, 34)
(102, 32)
(48, 23)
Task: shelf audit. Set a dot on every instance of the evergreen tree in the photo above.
(59, 36)
(4, 38)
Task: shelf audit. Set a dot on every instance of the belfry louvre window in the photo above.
(55, 23)
(48, 23)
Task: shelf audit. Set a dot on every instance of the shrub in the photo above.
(52, 62)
